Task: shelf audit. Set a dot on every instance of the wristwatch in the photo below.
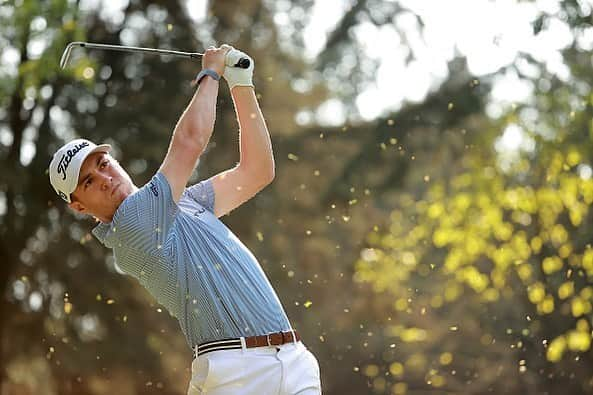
(206, 72)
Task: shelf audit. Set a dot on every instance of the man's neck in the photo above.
(107, 218)
(104, 219)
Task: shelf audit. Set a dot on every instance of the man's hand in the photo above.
(236, 76)
(214, 58)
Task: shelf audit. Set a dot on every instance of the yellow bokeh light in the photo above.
(588, 261)
(88, 73)
(578, 341)
(536, 244)
(556, 349)
(452, 292)
(436, 301)
(491, 295)
(396, 369)
(524, 271)
(401, 304)
(558, 234)
(416, 362)
(566, 289)
(573, 158)
(437, 380)
(446, 358)
(371, 370)
(551, 264)
(536, 293)
(379, 384)
(408, 259)
(547, 305)
(580, 306)
(410, 335)
(399, 389)
(582, 325)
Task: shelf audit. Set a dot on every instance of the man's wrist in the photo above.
(242, 88)
(207, 73)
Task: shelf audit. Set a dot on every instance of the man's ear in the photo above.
(78, 207)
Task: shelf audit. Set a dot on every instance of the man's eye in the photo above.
(87, 183)
(104, 164)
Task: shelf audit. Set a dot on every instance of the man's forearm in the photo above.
(255, 144)
(197, 121)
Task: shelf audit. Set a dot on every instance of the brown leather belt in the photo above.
(271, 339)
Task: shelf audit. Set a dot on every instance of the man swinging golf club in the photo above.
(169, 237)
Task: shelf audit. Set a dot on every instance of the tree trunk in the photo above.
(5, 266)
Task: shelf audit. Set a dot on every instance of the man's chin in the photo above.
(120, 195)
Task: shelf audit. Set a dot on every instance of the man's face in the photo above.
(102, 185)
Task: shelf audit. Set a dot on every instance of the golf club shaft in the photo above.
(125, 48)
(240, 62)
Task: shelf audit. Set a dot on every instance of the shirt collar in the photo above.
(105, 234)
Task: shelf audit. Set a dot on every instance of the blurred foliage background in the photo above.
(412, 252)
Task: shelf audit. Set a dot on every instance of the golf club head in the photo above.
(66, 55)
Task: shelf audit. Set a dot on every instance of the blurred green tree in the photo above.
(488, 269)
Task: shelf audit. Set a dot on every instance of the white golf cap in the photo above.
(64, 168)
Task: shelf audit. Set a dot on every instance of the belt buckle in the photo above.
(269, 337)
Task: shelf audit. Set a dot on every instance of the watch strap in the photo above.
(204, 72)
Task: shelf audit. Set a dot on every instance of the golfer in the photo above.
(169, 237)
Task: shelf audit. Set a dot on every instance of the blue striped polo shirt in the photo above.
(192, 263)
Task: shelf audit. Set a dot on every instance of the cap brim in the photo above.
(101, 148)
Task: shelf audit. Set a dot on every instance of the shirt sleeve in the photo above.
(147, 216)
(203, 193)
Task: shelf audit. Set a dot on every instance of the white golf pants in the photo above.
(289, 369)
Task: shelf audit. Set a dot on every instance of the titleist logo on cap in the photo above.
(67, 158)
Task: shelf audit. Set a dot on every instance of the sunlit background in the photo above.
(427, 231)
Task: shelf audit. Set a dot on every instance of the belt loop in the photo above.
(243, 344)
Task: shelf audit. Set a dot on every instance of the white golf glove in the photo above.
(236, 76)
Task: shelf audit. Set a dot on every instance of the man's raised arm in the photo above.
(255, 169)
(195, 126)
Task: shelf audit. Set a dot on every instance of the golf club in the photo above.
(232, 61)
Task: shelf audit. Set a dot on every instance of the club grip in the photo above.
(236, 58)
